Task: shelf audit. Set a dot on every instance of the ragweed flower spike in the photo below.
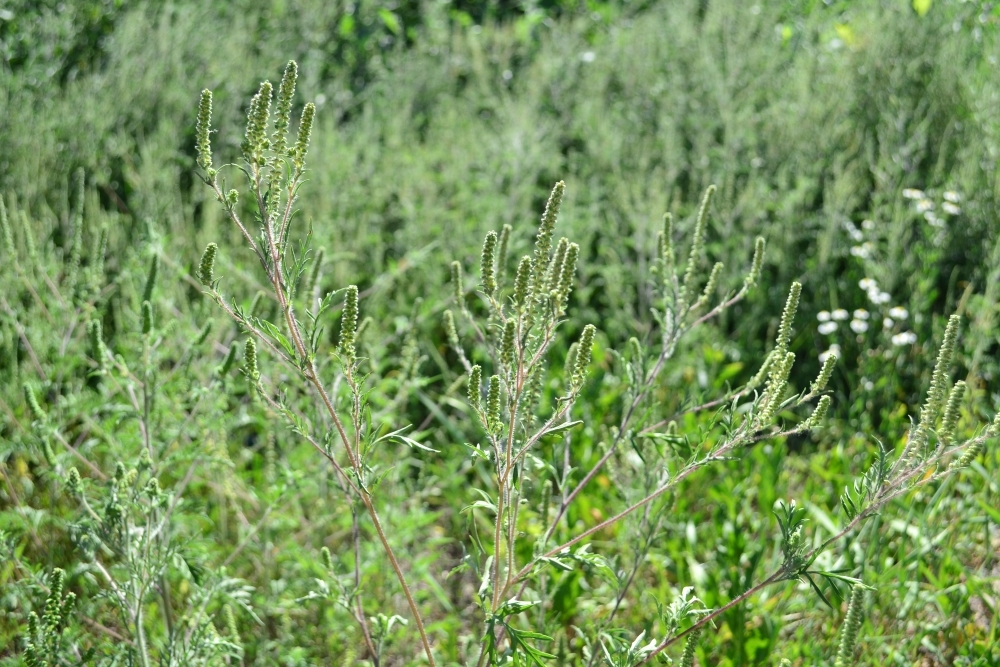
(255, 141)
(487, 261)
(951, 413)
(697, 243)
(286, 91)
(250, 361)
(687, 658)
(852, 625)
(502, 253)
(507, 344)
(475, 384)
(349, 325)
(206, 271)
(818, 414)
(458, 290)
(522, 282)
(305, 131)
(147, 318)
(824, 374)
(755, 265)
(583, 354)
(667, 244)
(543, 242)
(493, 404)
(787, 316)
(710, 286)
(449, 329)
(8, 236)
(203, 131)
(939, 380)
(37, 413)
(566, 275)
(95, 337)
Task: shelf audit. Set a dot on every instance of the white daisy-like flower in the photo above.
(855, 234)
(834, 349)
(823, 316)
(877, 297)
(861, 314)
(867, 224)
(888, 323)
(827, 328)
(840, 314)
(925, 205)
(864, 251)
(933, 220)
(867, 284)
(904, 338)
(952, 196)
(913, 193)
(951, 209)
(859, 326)
(588, 56)
(898, 312)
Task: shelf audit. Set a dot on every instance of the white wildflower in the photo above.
(859, 326)
(840, 314)
(823, 316)
(912, 193)
(867, 284)
(867, 224)
(951, 209)
(904, 338)
(864, 251)
(952, 196)
(827, 328)
(888, 323)
(925, 205)
(861, 314)
(898, 312)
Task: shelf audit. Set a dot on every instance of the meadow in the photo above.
(480, 333)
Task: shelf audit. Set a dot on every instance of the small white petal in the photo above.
(913, 193)
(861, 314)
(859, 326)
(827, 328)
(952, 196)
(840, 314)
(823, 316)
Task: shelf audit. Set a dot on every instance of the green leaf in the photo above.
(563, 427)
(390, 20)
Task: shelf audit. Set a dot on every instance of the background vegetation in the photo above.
(436, 122)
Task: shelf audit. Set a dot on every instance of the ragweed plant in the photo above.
(526, 409)
(274, 169)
